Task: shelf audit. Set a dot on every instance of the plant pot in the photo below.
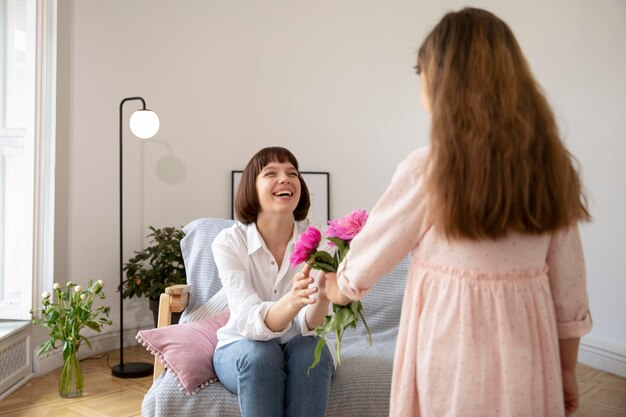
(154, 306)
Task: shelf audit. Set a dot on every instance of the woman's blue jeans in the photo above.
(271, 379)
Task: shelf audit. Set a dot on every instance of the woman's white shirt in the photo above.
(253, 282)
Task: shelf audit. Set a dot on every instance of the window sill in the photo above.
(11, 327)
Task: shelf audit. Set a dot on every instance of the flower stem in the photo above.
(369, 333)
(71, 382)
(338, 346)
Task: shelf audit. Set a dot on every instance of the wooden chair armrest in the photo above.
(179, 296)
(174, 300)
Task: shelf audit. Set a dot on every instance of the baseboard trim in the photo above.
(101, 343)
(604, 354)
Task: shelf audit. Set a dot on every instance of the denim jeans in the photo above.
(271, 379)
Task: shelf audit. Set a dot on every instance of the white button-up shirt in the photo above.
(253, 282)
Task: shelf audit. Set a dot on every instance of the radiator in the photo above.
(15, 360)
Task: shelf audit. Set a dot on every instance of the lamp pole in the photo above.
(132, 369)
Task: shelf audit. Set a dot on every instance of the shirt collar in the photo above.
(255, 242)
(254, 238)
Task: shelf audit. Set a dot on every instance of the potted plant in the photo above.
(155, 268)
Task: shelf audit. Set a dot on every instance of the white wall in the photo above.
(333, 81)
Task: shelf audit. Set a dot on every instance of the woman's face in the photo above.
(278, 188)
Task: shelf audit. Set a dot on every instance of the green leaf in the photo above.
(325, 327)
(88, 342)
(323, 266)
(317, 354)
(342, 248)
(322, 256)
(369, 333)
(45, 347)
(93, 325)
(342, 318)
(67, 350)
(345, 318)
(322, 260)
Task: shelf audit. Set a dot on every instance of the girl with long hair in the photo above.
(496, 300)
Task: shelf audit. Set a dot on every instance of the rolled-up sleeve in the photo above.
(566, 271)
(247, 310)
(301, 320)
(395, 225)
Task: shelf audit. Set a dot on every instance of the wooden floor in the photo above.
(104, 395)
(602, 394)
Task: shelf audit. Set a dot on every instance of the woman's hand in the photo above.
(321, 286)
(300, 293)
(333, 293)
(316, 314)
(284, 310)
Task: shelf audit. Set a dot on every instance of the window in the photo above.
(26, 154)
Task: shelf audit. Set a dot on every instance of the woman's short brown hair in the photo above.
(497, 161)
(247, 206)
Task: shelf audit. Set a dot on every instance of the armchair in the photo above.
(361, 385)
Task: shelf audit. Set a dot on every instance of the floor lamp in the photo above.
(144, 124)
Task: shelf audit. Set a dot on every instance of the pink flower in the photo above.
(345, 228)
(307, 244)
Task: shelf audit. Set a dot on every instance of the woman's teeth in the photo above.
(283, 194)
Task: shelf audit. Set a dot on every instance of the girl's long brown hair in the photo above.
(497, 162)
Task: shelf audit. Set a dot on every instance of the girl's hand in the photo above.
(298, 297)
(333, 293)
(570, 392)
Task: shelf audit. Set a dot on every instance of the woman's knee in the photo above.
(261, 354)
(301, 349)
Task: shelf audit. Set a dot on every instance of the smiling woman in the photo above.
(264, 350)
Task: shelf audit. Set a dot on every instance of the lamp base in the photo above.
(132, 370)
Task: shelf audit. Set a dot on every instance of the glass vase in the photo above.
(71, 383)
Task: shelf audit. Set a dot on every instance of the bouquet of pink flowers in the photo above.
(340, 232)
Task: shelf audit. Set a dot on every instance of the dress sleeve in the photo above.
(394, 227)
(566, 271)
(247, 310)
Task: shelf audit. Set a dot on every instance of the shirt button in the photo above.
(275, 291)
(272, 262)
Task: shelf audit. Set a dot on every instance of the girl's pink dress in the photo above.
(480, 319)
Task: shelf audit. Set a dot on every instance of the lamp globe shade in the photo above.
(144, 123)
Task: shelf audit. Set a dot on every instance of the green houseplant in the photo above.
(66, 312)
(156, 267)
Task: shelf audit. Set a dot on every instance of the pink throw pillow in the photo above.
(187, 350)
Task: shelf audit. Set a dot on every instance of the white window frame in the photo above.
(36, 233)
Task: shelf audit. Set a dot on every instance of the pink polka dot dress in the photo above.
(480, 320)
